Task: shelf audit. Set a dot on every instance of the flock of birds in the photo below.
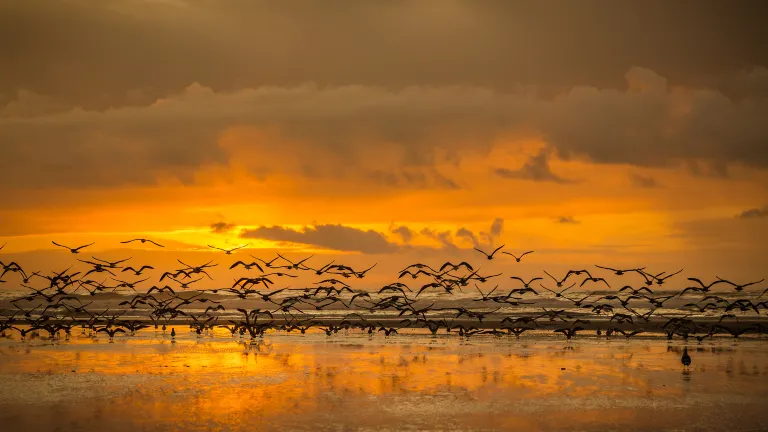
(65, 298)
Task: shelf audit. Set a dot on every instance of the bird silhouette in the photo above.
(518, 258)
(73, 250)
(142, 240)
(487, 255)
(685, 359)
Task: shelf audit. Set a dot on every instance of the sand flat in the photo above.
(357, 382)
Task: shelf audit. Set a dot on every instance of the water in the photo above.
(359, 383)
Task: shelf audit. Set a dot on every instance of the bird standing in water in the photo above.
(685, 359)
(173, 335)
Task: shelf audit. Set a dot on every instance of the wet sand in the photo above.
(355, 382)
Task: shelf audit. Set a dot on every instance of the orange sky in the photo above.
(633, 160)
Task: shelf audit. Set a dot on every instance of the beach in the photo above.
(351, 381)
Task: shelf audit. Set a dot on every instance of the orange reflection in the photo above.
(300, 382)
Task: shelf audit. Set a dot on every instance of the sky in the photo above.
(625, 133)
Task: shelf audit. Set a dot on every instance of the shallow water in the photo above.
(354, 382)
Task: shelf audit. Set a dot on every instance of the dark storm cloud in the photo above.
(400, 135)
(102, 53)
(112, 92)
(335, 237)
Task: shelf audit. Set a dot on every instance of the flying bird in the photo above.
(142, 240)
(518, 258)
(738, 287)
(247, 266)
(490, 256)
(228, 251)
(137, 272)
(620, 272)
(75, 250)
(560, 293)
(526, 284)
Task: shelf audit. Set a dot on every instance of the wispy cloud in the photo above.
(642, 181)
(443, 237)
(405, 233)
(754, 213)
(535, 169)
(222, 227)
(335, 237)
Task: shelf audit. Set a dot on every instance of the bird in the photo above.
(361, 274)
(638, 291)
(620, 272)
(137, 272)
(142, 240)
(186, 284)
(526, 284)
(454, 267)
(415, 274)
(738, 287)
(569, 332)
(75, 250)
(111, 264)
(660, 279)
(556, 293)
(229, 251)
(628, 334)
(705, 287)
(685, 359)
(247, 266)
(517, 258)
(110, 331)
(560, 282)
(294, 265)
(594, 279)
(318, 271)
(489, 256)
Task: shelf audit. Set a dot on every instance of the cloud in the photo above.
(468, 235)
(566, 220)
(222, 227)
(642, 181)
(536, 169)
(413, 179)
(395, 137)
(53, 50)
(335, 237)
(497, 227)
(442, 237)
(709, 169)
(405, 233)
(754, 213)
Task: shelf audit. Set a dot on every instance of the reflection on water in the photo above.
(313, 382)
